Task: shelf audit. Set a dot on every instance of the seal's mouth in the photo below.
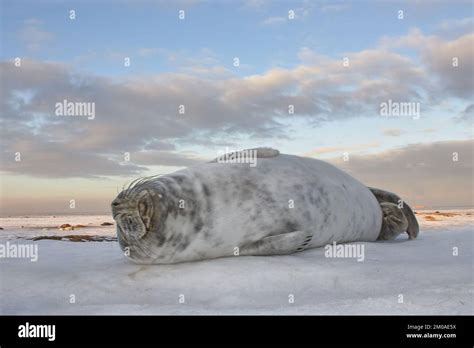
(130, 240)
(131, 225)
(133, 215)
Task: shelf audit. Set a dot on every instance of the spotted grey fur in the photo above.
(285, 204)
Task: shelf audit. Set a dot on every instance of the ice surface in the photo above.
(425, 272)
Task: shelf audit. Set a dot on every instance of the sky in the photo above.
(334, 62)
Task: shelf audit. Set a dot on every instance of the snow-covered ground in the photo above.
(423, 273)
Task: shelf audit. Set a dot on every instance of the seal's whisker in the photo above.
(138, 183)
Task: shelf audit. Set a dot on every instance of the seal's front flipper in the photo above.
(258, 152)
(285, 243)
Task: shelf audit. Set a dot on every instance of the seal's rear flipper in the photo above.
(258, 152)
(285, 243)
(395, 219)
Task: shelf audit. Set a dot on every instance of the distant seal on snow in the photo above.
(282, 205)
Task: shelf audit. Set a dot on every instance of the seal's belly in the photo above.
(285, 195)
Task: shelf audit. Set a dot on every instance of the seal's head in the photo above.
(139, 215)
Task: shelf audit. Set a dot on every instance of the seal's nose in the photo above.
(115, 207)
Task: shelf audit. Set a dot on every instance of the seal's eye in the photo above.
(145, 209)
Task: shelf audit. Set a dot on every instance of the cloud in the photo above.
(457, 25)
(254, 4)
(441, 58)
(301, 10)
(139, 114)
(392, 132)
(134, 116)
(334, 7)
(148, 52)
(422, 174)
(467, 115)
(310, 57)
(50, 159)
(341, 149)
(166, 3)
(33, 36)
(166, 158)
(450, 62)
(274, 20)
(202, 57)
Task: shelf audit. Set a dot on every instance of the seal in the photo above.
(281, 205)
